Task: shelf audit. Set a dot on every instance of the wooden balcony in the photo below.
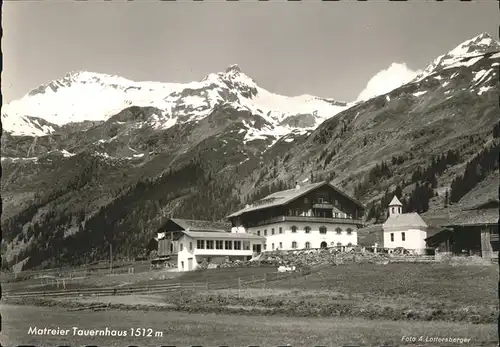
(323, 206)
(308, 219)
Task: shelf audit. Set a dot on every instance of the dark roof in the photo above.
(289, 195)
(438, 237)
(437, 218)
(201, 225)
(431, 231)
(475, 217)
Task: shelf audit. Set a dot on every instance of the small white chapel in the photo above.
(407, 230)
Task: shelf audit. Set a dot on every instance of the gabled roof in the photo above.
(475, 217)
(405, 220)
(286, 196)
(201, 225)
(395, 202)
(437, 218)
(489, 204)
(222, 235)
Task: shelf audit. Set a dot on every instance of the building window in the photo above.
(349, 231)
(181, 247)
(294, 244)
(306, 200)
(237, 245)
(307, 230)
(392, 237)
(322, 230)
(403, 236)
(219, 244)
(336, 215)
(265, 247)
(228, 245)
(190, 246)
(308, 244)
(272, 246)
(281, 230)
(281, 245)
(320, 200)
(258, 232)
(339, 244)
(200, 244)
(210, 244)
(338, 230)
(272, 232)
(246, 245)
(265, 232)
(393, 210)
(294, 229)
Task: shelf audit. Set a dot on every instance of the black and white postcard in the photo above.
(250, 173)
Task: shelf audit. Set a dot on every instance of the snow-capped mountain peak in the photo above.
(465, 54)
(480, 44)
(87, 96)
(235, 68)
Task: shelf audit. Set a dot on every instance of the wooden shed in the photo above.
(473, 231)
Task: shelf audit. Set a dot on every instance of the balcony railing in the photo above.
(308, 219)
(323, 206)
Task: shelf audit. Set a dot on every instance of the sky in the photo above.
(327, 49)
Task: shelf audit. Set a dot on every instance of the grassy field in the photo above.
(148, 278)
(421, 292)
(405, 292)
(104, 280)
(465, 284)
(352, 303)
(184, 329)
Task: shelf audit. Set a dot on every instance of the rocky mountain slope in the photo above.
(76, 178)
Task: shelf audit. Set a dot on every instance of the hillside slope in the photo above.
(67, 195)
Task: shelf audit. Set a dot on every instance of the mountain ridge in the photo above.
(182, 102)
(472, 48)
(116, 178)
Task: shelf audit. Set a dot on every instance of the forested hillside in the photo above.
(70, 194)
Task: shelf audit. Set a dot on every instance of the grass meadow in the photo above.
(352, 303)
